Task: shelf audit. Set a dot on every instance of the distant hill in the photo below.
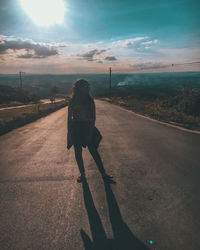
(9, 94)
(153, 84)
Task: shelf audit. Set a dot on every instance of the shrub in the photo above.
(189, 101)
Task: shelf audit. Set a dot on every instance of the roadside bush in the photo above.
(189, 101)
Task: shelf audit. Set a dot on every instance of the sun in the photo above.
(45, 12)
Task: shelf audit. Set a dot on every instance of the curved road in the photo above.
(155, 197)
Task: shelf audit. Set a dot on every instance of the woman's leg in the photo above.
(79, 158)
(95, 154)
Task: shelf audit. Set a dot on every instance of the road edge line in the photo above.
(154, 120)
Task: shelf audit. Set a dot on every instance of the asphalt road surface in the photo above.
(154, 203)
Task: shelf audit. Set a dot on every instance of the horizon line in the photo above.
(197, 71)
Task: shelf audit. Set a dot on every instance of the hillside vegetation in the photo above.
(179, 107)
(16, 95)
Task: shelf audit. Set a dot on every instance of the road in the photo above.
(155, 197)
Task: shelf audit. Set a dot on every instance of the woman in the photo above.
(81, 127)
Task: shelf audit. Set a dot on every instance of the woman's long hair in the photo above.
(77, 96)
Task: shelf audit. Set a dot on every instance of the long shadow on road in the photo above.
(123, 237)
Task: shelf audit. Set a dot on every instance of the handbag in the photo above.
(69, 141)
(97, 137)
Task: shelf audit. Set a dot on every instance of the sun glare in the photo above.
(45, 12)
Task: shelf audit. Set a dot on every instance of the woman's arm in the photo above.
(69, 118)
(93, 113)
(93, 118)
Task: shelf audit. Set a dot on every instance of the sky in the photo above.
(90, 36)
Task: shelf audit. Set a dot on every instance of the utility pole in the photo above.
(110, 85)
(20, 78)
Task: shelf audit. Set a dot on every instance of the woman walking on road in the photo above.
(81, 127)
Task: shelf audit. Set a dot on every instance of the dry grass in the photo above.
(15, 117)
(14, 113)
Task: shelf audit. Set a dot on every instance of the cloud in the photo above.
(138, 44)
(89, 55)
(110, 58)
(101, 51)
(150, 42)
(149, 65)
(25, 56)
(32, 49)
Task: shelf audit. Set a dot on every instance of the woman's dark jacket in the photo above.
(96, 135)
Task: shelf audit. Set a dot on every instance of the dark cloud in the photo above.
(38, 50)
(90, 54)
(110, 58)
(25, 56)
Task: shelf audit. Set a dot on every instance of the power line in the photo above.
(110, 84)
(168, 65)
(185, 63)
